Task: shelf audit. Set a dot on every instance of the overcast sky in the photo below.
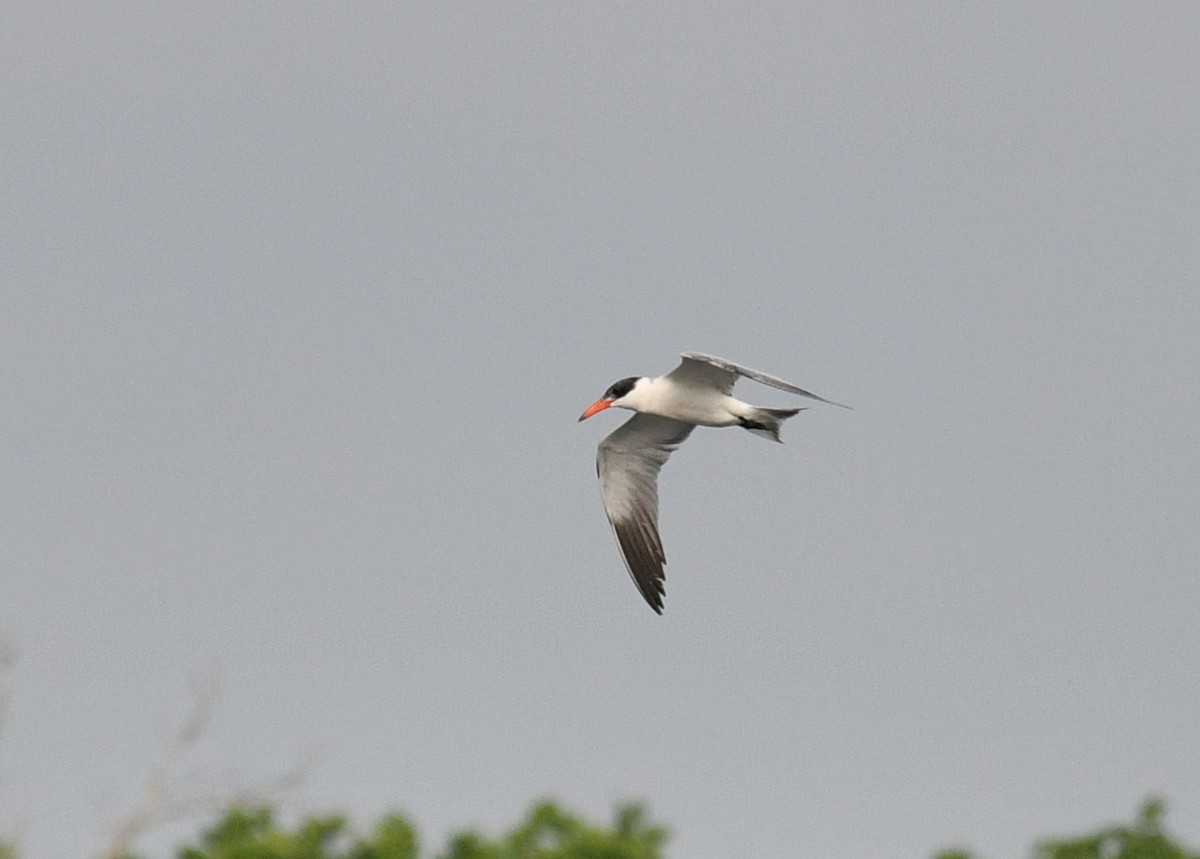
(301, 303)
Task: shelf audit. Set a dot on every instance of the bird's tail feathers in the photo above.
(766, 422)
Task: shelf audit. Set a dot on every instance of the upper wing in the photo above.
(701, 371)
(627, 462)
(698, 369)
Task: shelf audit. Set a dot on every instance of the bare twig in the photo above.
(160, 802)
(8, 658)
(155, 805)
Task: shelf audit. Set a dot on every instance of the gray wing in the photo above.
(627, 463)
(718, 373)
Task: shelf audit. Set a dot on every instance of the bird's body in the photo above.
(696, 393)
(682, 400)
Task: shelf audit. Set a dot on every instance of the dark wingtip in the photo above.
(654, 598)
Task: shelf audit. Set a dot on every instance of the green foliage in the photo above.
(252, 833)
(1145, 839)
(551, 833)
(548, 832)
(394, 838)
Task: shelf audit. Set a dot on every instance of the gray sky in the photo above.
(301, 304)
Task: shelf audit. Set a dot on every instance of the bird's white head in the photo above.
(625, 394)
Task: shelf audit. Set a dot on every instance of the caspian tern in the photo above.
(696, 393)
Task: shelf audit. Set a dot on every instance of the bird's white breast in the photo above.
(703, 406)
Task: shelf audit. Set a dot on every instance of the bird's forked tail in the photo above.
(766, 422)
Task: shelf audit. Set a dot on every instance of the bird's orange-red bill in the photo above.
(598, 406)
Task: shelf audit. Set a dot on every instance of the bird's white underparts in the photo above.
(696, 393)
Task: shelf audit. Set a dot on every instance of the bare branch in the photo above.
(152, 806)
(8, 659)
(160, 802)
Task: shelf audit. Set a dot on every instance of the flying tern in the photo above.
(696, 393)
